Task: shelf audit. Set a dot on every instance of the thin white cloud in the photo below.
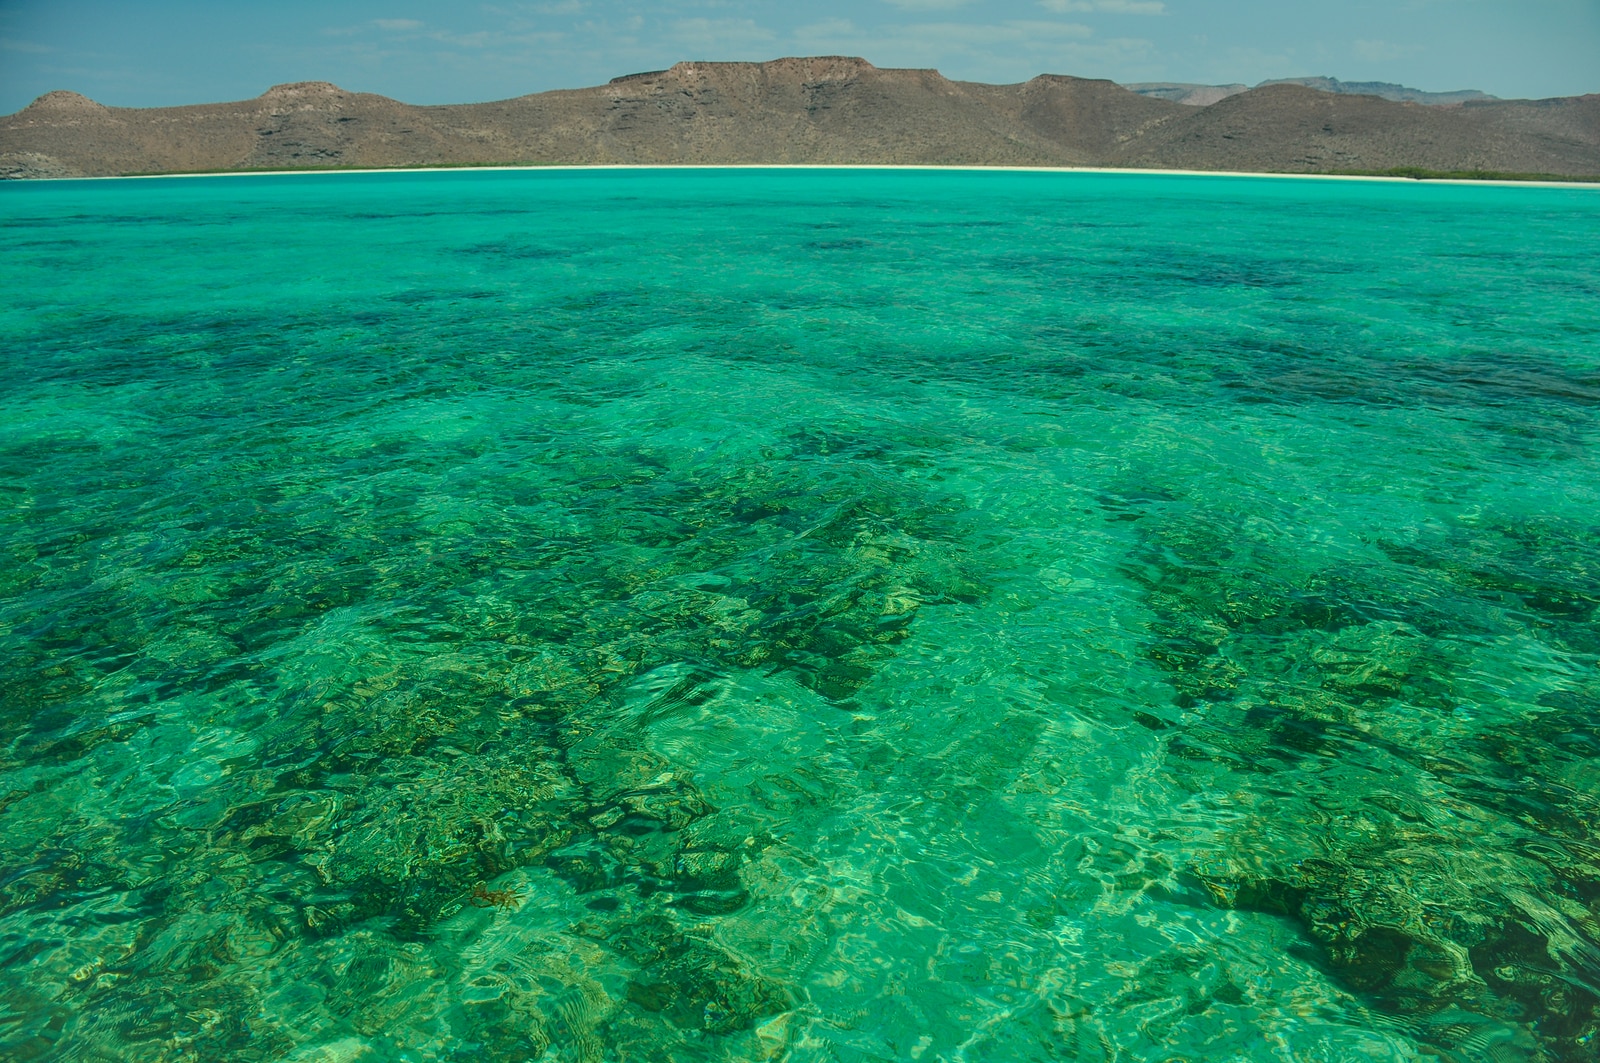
(1002, 52)
(1384, 51)
(8, 45)
(1026, 33)
(1248, 66)
(381, 40)
(1035, 28)
(928, 5)
(477, 40)
(720, 32)
(1114, 7)
(605, 38)
(829, 27)
(494, 40)
(547, 7)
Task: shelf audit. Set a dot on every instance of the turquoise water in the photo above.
(812, 616)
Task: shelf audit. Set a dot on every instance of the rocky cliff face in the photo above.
(826, 109)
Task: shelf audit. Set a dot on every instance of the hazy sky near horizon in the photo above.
(141, 53)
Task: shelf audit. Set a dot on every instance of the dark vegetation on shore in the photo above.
(1417, 173)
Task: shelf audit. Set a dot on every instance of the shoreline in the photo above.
(569, 167)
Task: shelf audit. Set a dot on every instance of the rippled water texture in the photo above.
(822, 616)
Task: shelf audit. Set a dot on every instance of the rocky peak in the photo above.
(1067, 79)
(61, 101)
(303, 92)
(798, 69)
(819, 68)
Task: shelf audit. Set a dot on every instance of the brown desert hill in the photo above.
(807, 110)
(288, 126)
(1294, 129)
(818, 110)
(1204, 95)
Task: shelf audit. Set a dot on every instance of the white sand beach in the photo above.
(864, 166)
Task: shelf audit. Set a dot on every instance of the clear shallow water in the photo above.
(813, 616)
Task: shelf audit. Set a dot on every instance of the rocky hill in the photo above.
(1386, 89)
(1185, 92)
(1205, 95)
(815, 110)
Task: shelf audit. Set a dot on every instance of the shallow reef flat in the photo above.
(799, 615)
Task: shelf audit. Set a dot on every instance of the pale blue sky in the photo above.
(157, 52)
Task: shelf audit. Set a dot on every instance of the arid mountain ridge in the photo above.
(809, 110)
(1204, 95)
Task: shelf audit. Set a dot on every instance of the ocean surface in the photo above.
(799, 615)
